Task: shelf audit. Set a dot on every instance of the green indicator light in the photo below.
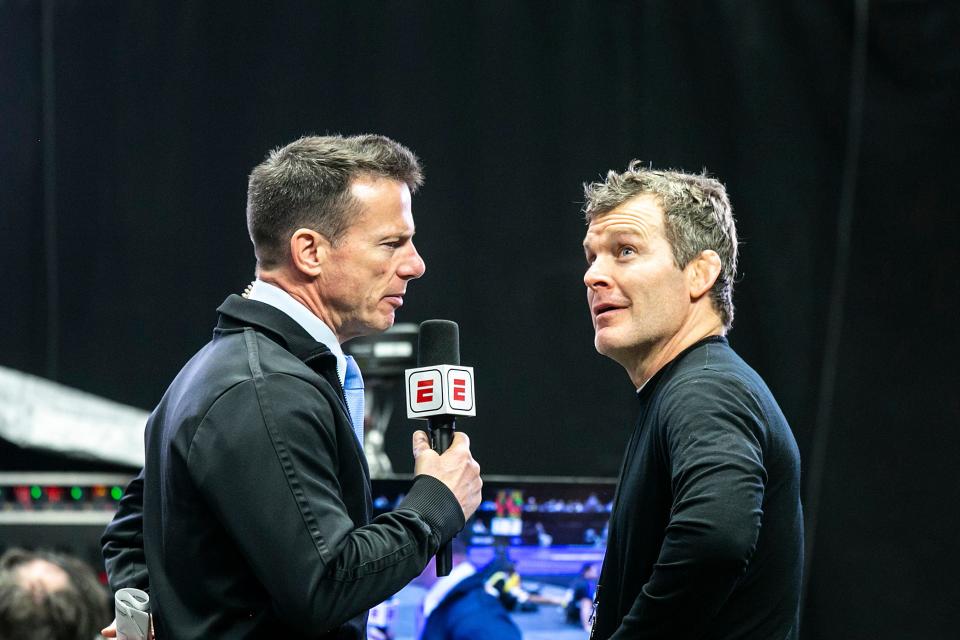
(116, 493)
(36, 492)
(76, 493)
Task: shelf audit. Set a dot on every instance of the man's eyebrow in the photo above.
(619, 233)
(399, 233)
(613, 235)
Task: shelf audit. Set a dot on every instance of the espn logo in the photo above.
(440, 390)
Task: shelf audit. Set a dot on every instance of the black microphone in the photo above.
(438, 390)
(439, 344)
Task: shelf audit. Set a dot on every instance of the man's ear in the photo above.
(308, 251)
(702, 272)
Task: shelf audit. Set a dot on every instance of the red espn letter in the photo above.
(459, 390)
(424, 391)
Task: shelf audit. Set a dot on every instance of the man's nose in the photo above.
(595, 276)
(413, 266)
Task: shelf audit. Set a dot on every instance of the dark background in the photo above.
(127, 130)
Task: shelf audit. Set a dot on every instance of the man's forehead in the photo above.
(384, 207)
(640, 215)
(369, 185)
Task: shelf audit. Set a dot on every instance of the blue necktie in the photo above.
(353, 391)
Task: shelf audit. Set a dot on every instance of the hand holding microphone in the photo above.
(438, 390)
(455, 468)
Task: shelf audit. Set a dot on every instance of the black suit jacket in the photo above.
(254, 501)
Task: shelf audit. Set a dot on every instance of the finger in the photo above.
(460, 439)
(421, 443)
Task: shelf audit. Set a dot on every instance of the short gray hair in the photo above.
(307, 184)
(697, 217)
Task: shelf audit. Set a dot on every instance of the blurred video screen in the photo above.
(541, 542)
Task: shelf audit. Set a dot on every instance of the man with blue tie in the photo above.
(252, 516)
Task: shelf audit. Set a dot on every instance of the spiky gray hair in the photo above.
(697, 217)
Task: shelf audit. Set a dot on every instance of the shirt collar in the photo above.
(279, 299)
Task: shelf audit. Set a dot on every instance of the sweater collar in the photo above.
(647, 388)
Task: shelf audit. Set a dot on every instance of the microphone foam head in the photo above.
(439, 343)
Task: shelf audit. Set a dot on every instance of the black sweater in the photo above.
(706, 534)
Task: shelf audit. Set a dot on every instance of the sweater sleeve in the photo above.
(265, 458)
(711, 432)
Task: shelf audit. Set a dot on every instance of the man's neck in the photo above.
(302, 290)
(662, 353)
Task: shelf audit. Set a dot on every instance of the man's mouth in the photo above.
(604, 307)
(396, 299)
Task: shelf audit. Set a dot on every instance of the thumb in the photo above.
(421, 444)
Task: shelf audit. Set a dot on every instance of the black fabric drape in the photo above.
(161, 109)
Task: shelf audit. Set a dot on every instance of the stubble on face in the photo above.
(369, 267)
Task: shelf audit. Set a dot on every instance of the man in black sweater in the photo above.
(706, 534)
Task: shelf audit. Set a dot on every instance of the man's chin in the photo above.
(370, 326)
(381, 324)
(605, 343)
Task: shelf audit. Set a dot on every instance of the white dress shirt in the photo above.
(279, 299)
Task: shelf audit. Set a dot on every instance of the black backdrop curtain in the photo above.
(127, 131)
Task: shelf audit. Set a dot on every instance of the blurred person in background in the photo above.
(49, 596)
(380, 622)
(578, 603)
(467, 604)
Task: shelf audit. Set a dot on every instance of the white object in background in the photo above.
(37, 413)
(133, 614)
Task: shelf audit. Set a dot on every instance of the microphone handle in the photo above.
(441, 430)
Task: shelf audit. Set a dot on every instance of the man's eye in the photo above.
(626, 251)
